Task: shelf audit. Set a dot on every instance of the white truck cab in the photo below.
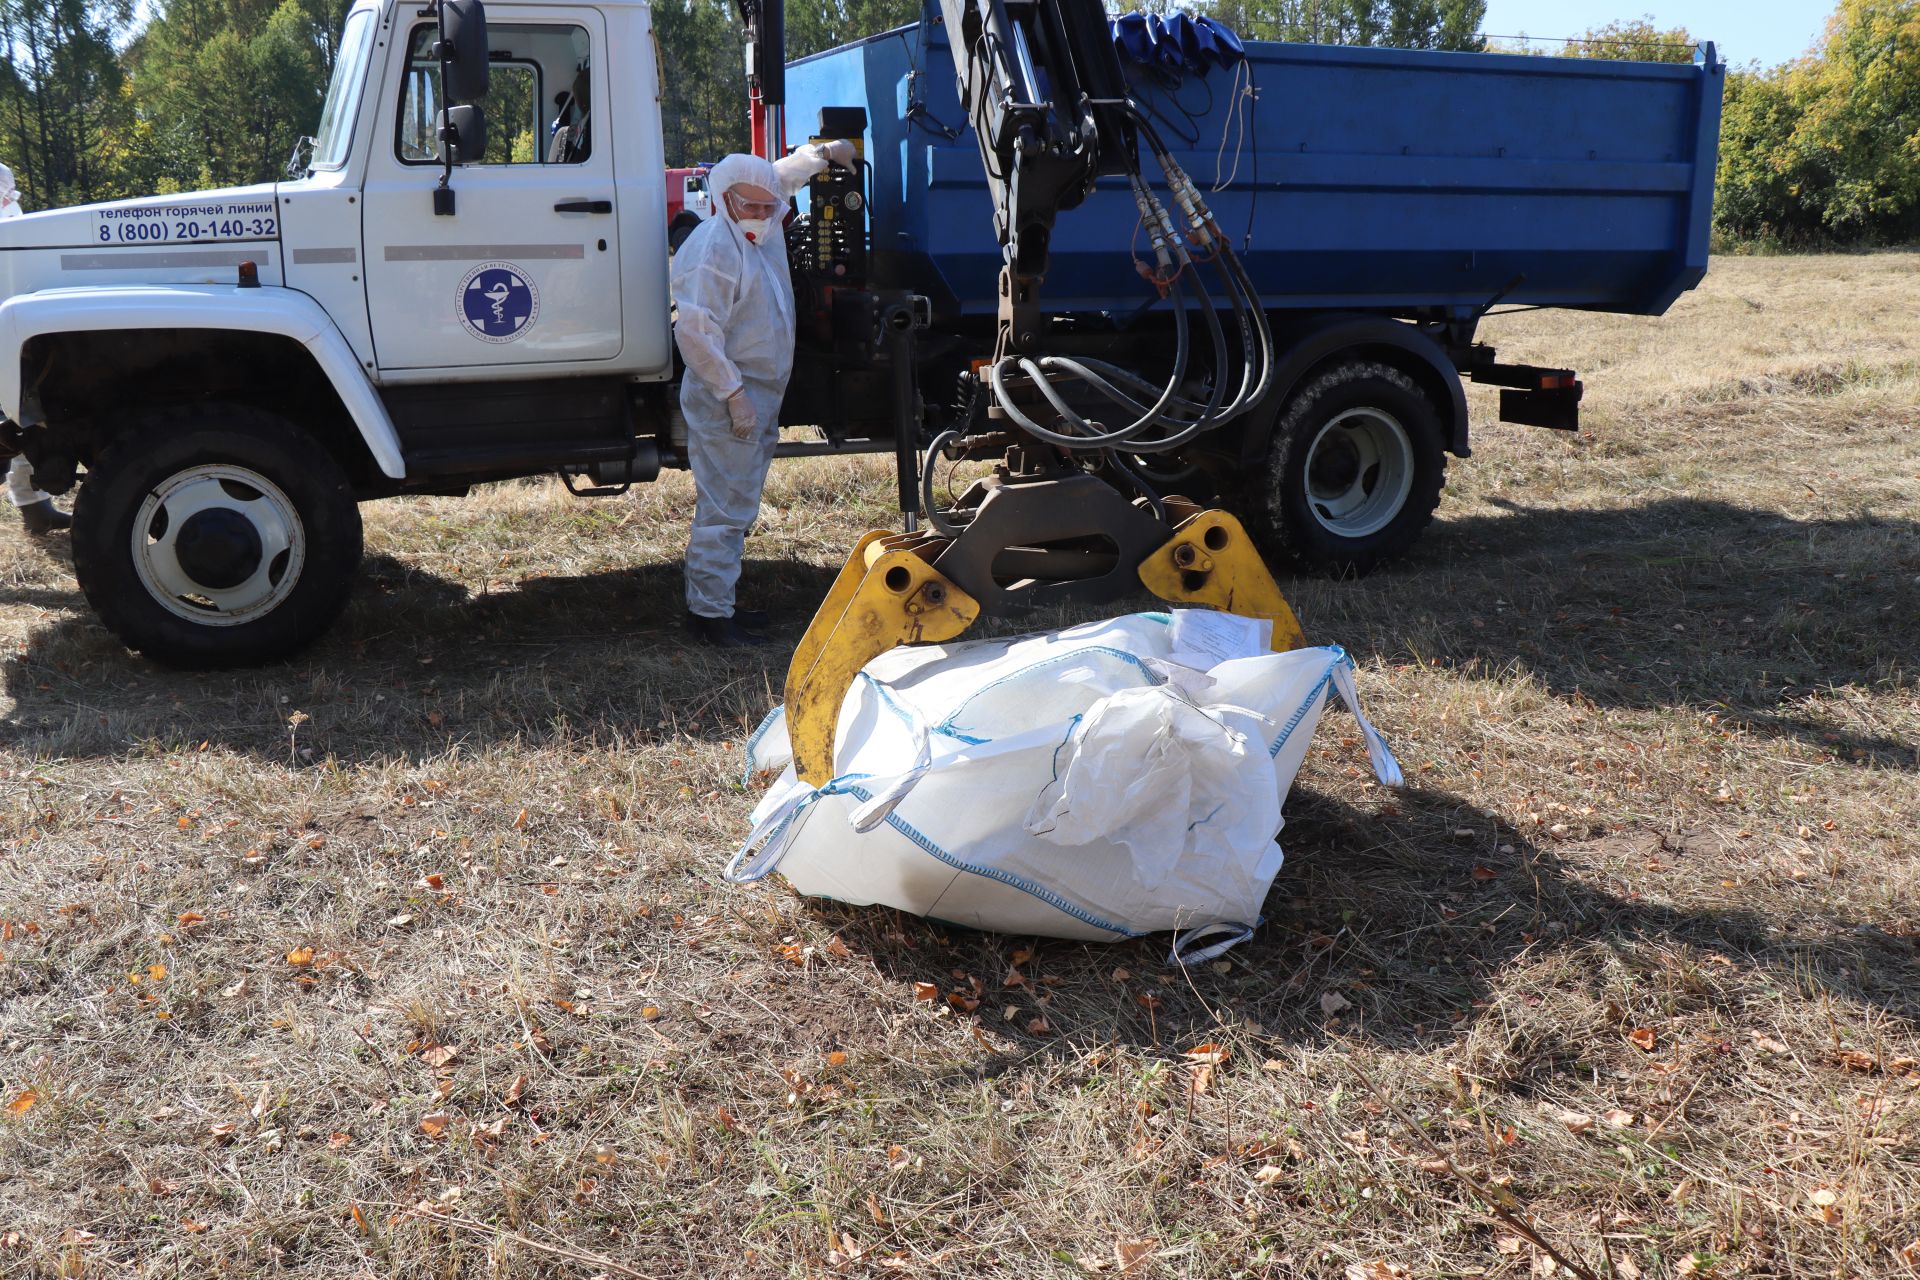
(466, 282)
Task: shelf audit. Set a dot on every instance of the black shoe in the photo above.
(752, 619)
(721, 633)
(43, 517)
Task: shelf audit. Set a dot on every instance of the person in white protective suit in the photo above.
(36, 508)
(735, 328)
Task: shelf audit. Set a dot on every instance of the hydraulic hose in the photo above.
(1163, 419)
(928, 507)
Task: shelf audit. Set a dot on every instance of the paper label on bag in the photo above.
(1203, 638)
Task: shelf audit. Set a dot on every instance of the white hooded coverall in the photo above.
(20, 490)
(735, 327)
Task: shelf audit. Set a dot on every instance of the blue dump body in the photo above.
(1387, 180)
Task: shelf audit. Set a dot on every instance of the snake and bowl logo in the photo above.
(498, 302)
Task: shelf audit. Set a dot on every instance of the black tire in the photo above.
(1396, 492)
(680, 228)
(287, 552)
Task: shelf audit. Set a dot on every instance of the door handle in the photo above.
(583, 206)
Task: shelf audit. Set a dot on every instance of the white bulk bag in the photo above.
(1086, 783)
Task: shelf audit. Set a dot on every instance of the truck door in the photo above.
(526, 271)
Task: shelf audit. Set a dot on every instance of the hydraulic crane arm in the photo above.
(1042, 87)
(1066, 515)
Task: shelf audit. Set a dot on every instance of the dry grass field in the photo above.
(411, 957)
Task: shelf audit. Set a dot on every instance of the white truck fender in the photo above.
(201, 306)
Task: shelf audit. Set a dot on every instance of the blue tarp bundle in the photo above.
(1178, 43)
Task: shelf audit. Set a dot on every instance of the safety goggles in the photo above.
(753, 208)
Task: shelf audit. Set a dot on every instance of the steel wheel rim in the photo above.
(218, 545)
(1359, 472)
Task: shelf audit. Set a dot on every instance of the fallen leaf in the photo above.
(1767, 1044)
(224, 1132)
(515, 1091)
(400, 921)
(650, 1012)
(1376, 1271)
(1855, 1060)
(520, 821)
(439, 1055)
(926, 991)
(1617, 1119)
(1509, 1245)
(1147, 1000)
(1210, 1054)
(1131, 1253)
(1269, 1173)
(1435, 1166)
(1331, 1003)
(898, 1157)
(23, 1100)
(1485, 873)
(300, 956)
(1642, 1038)
(435, 1123)
(1627, 1268)
(192, 1227)
(836, 1059)
(727, 1122)
(188, 918)
(338, 1141)
(1121, 975)
(1576, 1121)
(1038, 1026)
(155, 972)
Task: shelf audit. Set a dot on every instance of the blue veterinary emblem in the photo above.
(498, 302)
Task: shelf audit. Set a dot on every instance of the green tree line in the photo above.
(101, 99)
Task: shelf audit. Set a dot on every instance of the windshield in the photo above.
(343, 95)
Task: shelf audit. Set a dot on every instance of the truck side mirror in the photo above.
(464, 128)
(463, 39)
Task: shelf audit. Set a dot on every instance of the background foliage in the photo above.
(107, 98)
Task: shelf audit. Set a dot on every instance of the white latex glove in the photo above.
(740, 409)
(840, 152)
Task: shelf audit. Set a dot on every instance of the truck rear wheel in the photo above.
(680, 228)
(1354, 472)
(216, 536)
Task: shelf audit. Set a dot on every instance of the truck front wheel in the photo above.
(1354, 472)
(216, 536)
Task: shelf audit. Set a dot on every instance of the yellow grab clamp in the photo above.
(1210, 560)
(886, 595)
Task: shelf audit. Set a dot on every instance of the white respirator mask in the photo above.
(757, 230)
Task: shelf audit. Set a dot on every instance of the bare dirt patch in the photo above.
(411, 956)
